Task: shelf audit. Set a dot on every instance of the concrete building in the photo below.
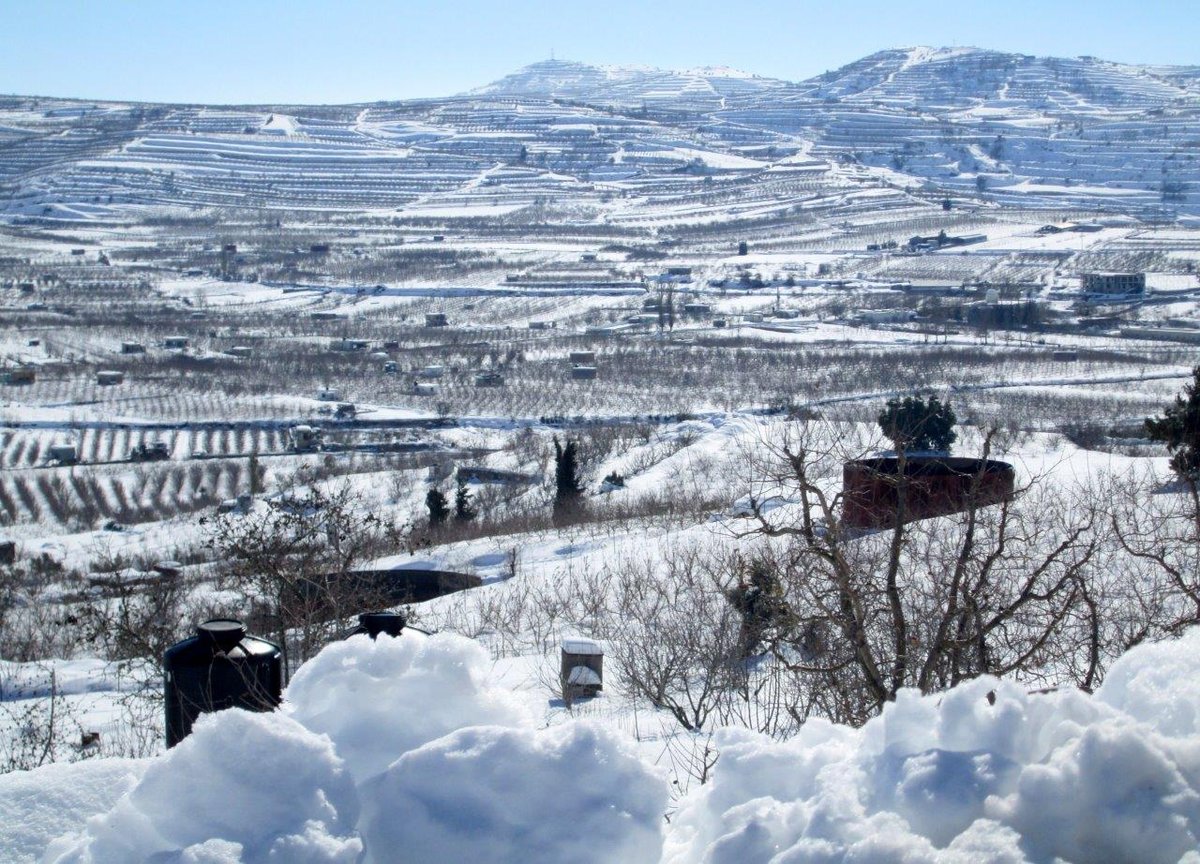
(1113, 284)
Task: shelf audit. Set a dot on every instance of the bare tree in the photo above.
(997, 589)
(1157, 526)
(292, 564)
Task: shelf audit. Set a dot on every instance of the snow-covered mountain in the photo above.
(705, 87)
(1010, 129)
(927, 78)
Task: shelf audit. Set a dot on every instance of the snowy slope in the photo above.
(1028, 131)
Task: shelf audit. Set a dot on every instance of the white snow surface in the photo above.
(379, 700)
(390, 751)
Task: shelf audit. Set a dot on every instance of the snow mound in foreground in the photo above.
(241, 788)
(985, 772)
(567, 795)
(379, 699)
(402, 732)
(36, 806)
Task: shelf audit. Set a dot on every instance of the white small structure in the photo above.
(240, 505)
(421, 388)
(305, 438)
(582, 669)
(109, 377)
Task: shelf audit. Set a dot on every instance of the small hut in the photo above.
(582, 669)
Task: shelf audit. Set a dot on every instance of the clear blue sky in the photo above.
(321, 51)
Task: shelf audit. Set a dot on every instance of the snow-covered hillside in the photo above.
(1015, 130)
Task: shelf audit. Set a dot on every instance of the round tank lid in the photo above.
(375, 623)
(224, 633)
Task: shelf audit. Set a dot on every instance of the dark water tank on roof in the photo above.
(220, 667)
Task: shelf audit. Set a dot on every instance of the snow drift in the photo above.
(242, 787)
(379, 699)
(391, 751)
(570, 795)
(985, 772)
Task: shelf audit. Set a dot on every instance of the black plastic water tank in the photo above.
(374, 623)
(220, 667)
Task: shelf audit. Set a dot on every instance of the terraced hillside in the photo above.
(580, 144)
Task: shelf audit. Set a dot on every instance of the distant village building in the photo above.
(1113, 284)
(109, 377)
(938, 241)
(583, 358)
(1007, 315)
(175, 343)
(583, 373)
(436, 319)
(489, 379)
(1163, 334)
(133, 348)
(305, 438)
(20, 375)
(886, 316)
(64, 454)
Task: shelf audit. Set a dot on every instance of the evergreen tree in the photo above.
(1179, 429)
(567, 488)
(464, 510)
(257, 475)
(913, 423)
(435, 501)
